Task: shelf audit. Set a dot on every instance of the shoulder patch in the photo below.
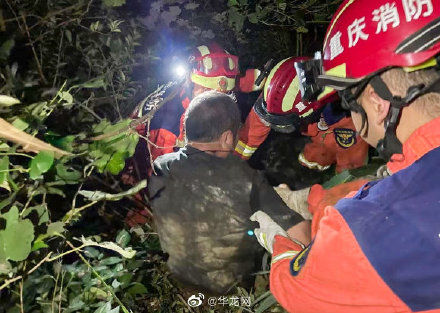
(345, 137)
(297, 263)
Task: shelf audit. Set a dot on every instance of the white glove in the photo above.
(383, 172)
(295, 200)
(267, 231)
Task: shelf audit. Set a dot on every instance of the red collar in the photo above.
(421, 141)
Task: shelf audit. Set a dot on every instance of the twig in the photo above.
(90, 110)
(2, 22)
(28, 142)
(15, 15)
(149, 149)
(61, 293)
(183, 300)
(21, 297)
(140, 120)
(69, 215)
(40, 71)
(55, 291)
(10, 281)
(18, 154)
(58, 60)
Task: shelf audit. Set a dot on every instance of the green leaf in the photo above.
(107, 308)
(4, 168)
(111, 261)
(7, 101)
(302, 29)
(97, 82)
(16, 238)
(232, 3)
(99, 195)
(5, 267)
(69, 175)
(41, 164)
(4, 147)
(56, 228)
(38, 244)
(66, 96)
(236, 19)
(341, 178)
(137, 289)
(5, 49)
(64, 143)
(114, 3)
(253, 18)
(266, 304)
(20, 124)
(68, 35)
(123, 238)
(116, 163)
(100, 294)
(42, 211)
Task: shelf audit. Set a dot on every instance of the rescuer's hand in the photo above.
(295, 200)
(382, 172)
(267, 231)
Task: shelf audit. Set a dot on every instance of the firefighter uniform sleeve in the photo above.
(251, 136)
(319, 198)
(330, 275)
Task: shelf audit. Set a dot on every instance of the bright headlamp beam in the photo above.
(180, 71)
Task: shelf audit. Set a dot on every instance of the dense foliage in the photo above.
(70, 74)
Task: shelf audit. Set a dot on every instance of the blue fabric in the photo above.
(331, 116)
(396, 222)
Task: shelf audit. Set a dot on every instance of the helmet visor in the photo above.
(217, 64)
(308, 72)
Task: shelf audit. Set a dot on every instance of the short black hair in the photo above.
(209, 115)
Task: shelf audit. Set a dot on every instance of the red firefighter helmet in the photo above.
(367, 36)
(281, 104)
(214, 67)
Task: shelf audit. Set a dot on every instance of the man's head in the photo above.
(419, 112)
(212, 121)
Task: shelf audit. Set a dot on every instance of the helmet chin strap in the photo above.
(390, 144)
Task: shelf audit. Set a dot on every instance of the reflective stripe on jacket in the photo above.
(251, 136)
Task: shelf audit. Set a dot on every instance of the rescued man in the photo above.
(204, 196)
(377, 250)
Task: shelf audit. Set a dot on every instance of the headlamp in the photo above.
(180, 71)
(308, 72)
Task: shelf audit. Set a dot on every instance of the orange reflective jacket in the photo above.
(377, 251)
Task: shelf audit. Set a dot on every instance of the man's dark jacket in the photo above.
(202, 206)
